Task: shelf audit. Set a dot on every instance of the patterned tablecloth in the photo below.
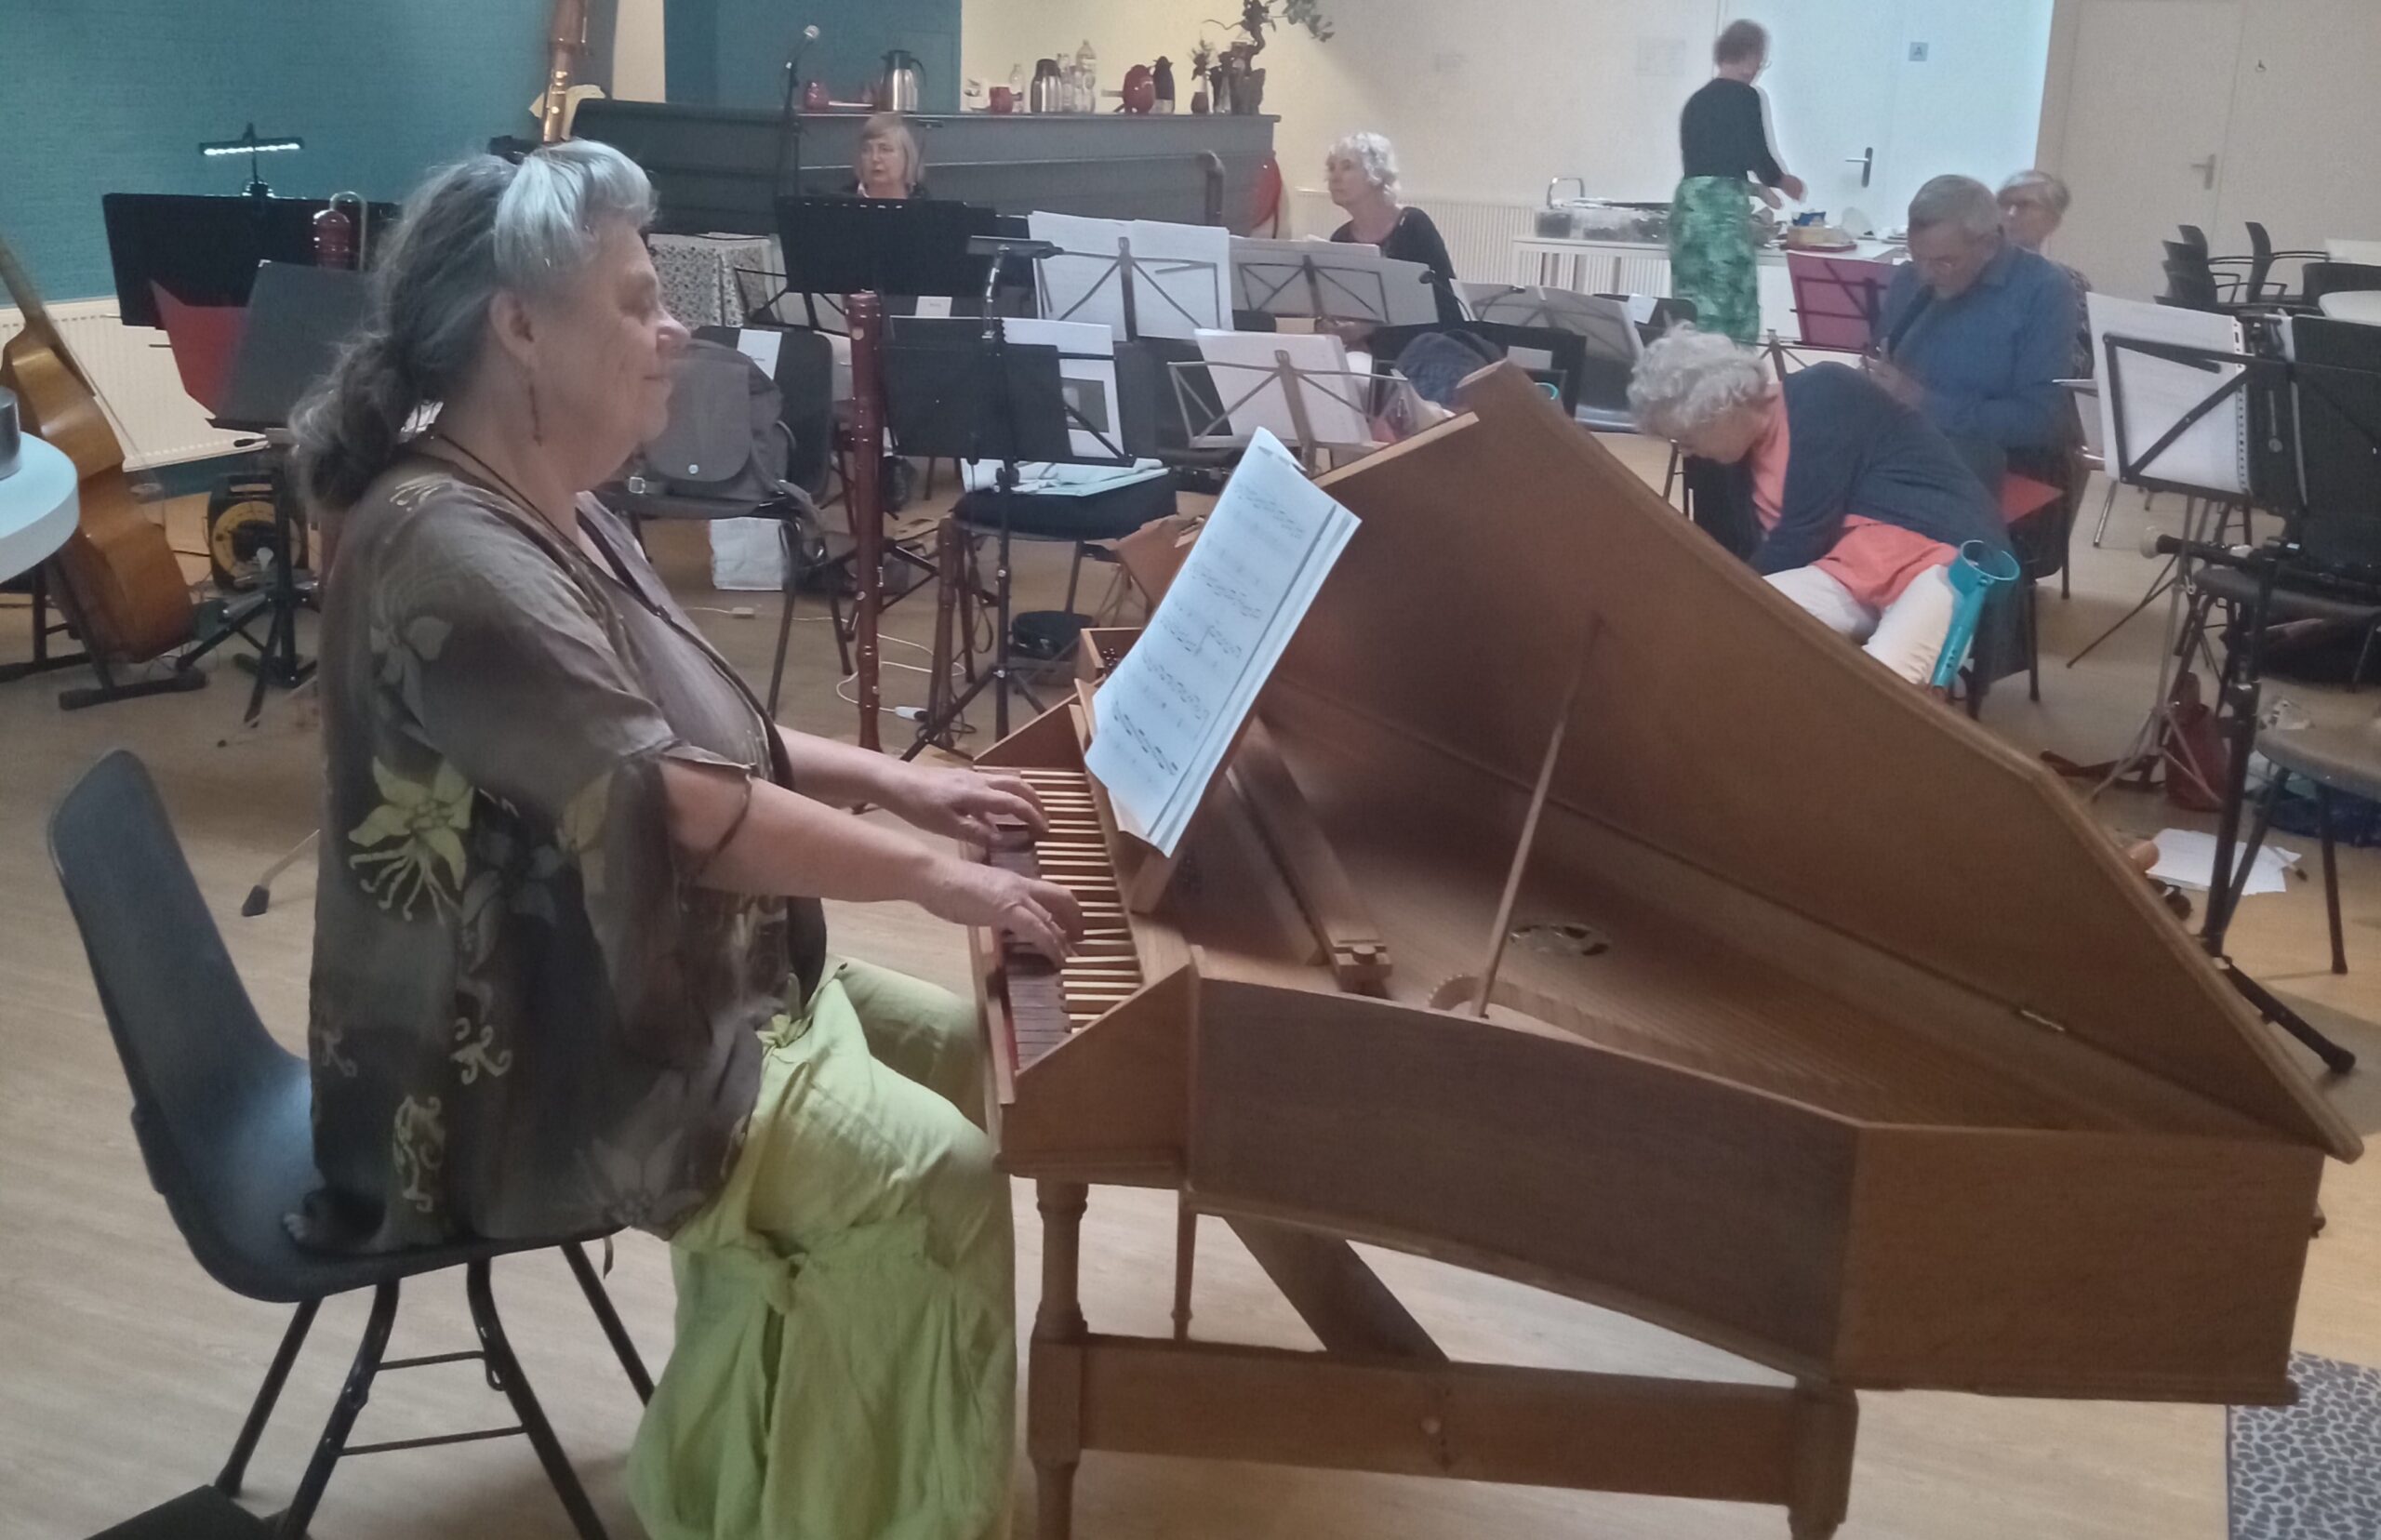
(699, 279)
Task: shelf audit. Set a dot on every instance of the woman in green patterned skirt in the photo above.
(1723, 138)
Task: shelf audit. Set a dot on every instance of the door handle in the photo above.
(2206, 169)
(1866, 160)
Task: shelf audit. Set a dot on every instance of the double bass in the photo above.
(565, 45)
(126, 592)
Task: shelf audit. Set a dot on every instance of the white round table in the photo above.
(38, 507)
(2354, 305)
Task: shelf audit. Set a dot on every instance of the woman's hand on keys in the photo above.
(1038, 914)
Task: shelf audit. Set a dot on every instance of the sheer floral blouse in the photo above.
(527, 1020)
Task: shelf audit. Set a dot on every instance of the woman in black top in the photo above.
(1362, 177)
(1723, 138)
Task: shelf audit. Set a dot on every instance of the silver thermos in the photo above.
(903, 84)
(1044, 95)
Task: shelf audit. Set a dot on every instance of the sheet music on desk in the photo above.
(1171, 708)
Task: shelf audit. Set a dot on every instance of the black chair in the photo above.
(805, 382)
(2345, 759)
(2322, 278)
(222, 1116)
(2262, 256)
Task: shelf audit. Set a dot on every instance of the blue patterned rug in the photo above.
(2310, 1471)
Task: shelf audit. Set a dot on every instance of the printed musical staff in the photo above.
(1170, 709)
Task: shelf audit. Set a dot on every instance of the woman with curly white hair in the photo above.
(1850, 503)
(1361, 173)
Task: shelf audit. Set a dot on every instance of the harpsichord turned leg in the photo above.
(1054, 1383)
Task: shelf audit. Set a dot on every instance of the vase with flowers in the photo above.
(1231, 70)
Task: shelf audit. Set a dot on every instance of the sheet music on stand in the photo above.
(1139, 277)
(1330, 281)
(2157, 393)
(1172, 709)
(1609, 325)
(1305, 387)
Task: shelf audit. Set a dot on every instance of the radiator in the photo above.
(1479, 235)
(133, 372)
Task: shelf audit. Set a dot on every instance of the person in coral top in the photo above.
(1851, 504)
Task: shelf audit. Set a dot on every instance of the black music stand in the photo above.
(2263, 387)
(966, 392)
(205, 250)
(873, 246)
(299, 317)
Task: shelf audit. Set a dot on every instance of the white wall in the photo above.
(2301, 156)
(2291, 119)
(637, 73)
(1973, 107)
(1488, 100)
(1493, 98)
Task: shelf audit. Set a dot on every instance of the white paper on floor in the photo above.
(2186, 859)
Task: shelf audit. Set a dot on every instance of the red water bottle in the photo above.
(334, 238)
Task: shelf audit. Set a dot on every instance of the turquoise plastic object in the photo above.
(1974, 574)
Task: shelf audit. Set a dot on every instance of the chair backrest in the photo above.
(2189, 285)
(2324, 278)
(2195, 238)
(804, 376)
(2260, 260)
(725, 441)
(200, 1064)
(2338, 406)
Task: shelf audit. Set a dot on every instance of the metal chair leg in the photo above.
(235, 1469)
(2363, 656)
(785, 615)
(2034, 644)
(600, 1301)
(2236, 882)
(2330, 876)
(2108, 506)
(539, 1433)
(352, 1397)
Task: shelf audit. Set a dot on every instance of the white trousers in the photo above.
(1906, 636)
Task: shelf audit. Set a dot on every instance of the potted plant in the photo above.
(1239, 83)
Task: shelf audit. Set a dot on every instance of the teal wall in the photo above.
(111, 96)
(732, 53)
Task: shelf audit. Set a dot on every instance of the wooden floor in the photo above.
(124, 1372)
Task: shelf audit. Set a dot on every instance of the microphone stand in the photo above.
(789, 145)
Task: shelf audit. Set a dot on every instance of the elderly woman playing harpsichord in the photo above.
(570, 967)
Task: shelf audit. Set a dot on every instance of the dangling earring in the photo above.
(537, 424)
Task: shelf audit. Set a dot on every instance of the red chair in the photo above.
(203, 338)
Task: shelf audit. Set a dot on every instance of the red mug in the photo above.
(1004, 99)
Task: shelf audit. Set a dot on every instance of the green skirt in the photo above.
(1711, 255)
(846, 1360)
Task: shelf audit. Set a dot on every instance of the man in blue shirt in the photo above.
(1978, 331)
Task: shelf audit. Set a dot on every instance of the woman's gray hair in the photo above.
(1691, 379)
(1740, 41)
(1373, 155)
(894, 128)
(1960, 201)
(475, 229)
(2052, 192)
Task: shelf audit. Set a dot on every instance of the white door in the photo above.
(1830, 86)
(2147, 114)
